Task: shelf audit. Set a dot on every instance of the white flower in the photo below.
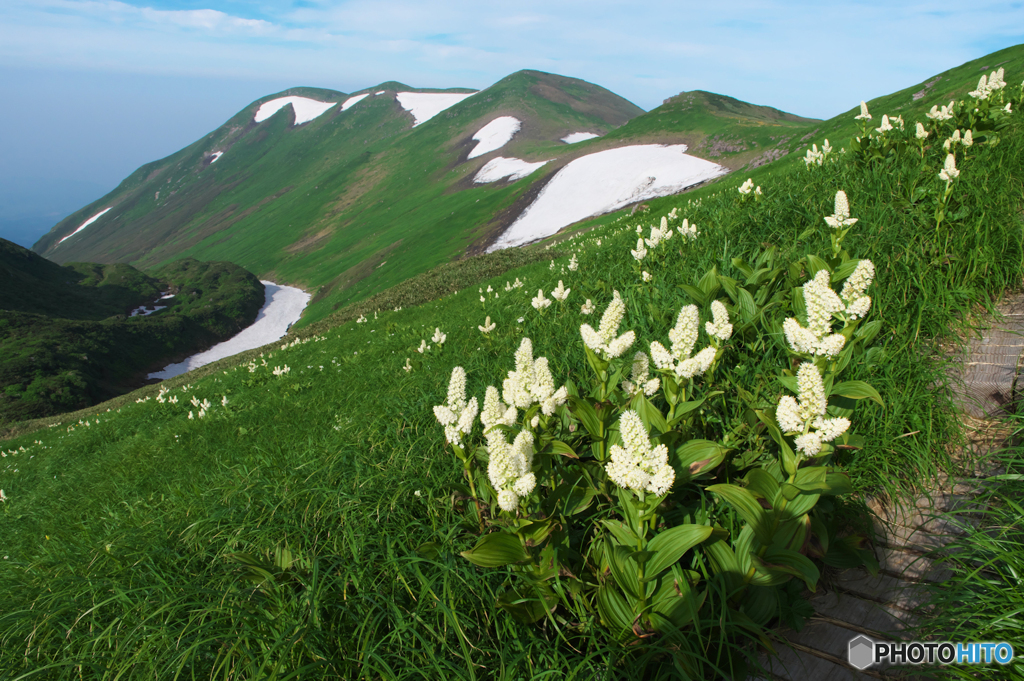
(747, 187)
(3, 497)
(495, 412)
(587, 307)
(968, 139)
(361, 319)
(456, 415)
(423, 347)
(540, 302)
(1007, 108)
(641, 251)
(637, 466)
(698, 364)
(821, 303)
(279, 371)
(604, 341)
(813, 156)
(190, 417)
(509, 466)
(808, 443)
(864, 115)
(573, 263)
(663, 359)
(439, 338)
(639, 378)
(488, 326)
(949, 171)
(799, 417)
(721, 328)
(886, 126)
(552, 265)
(560, 293)
(408, 365)
(645, 275)
(841, 218)
(687, 230)
(531, 381)
(684, 334)
(857, 303)
(508, 500)
(922, 134)
(826, 148)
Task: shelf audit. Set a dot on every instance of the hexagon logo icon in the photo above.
(861, 652)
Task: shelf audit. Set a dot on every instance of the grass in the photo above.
(282, 535)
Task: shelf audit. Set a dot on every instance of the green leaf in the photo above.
(815, 265)
(624, 570)
(844, 270)
(559, 447)
(709, 284)
(684, 408)
(747, 307)
(583, 410)
(621, 532)
(613, 609)
(857, 390)
(698, 456)
(838, 483)
(866, 333)
(649, 414)
(526, 607)
(789, 461)
(748, 508)
(742, 266)
(670, 545)
(698, 296)
(764, 483)
(779, 561)
(495, 550)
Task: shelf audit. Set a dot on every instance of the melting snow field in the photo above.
(605, 181)
(305, 109)
(425, 105)
(495, 135)
(579, 137)
(353, 100)
(85, 224)
(512, 168)
(216, 155)
(283, 306)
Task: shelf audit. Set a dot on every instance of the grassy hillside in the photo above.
(311, 523)
(68, 340)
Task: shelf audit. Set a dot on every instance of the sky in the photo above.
(93, 89)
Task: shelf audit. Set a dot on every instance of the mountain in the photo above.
(349, 194)
(82, 333)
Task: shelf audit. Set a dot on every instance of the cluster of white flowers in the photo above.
(438, 338)
(864, 115)
(303, 341)
(857, 303)
(488, 326)
(605, 341)
(721, 328)
(747, 187)
(539, 302)
(943, 114)
(989, 84)
(660, 233)
(515, 285)
(456, 415)
(637, 466)
(887, 125)
(279, 371)
(684, 337)
(560, 293)
(967, 139)
(508, 467)
(641, 250)
(841, 218)
(921, 133)
(799, 417)
(423, 347)
(949, 171)
(407, 366)
(816, 157)
(531, 382)
(574, 264)
(587, 307)
(821, 303)
(639, 377)
(687, 231)
(361, 319)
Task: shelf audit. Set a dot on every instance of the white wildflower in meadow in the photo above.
(646, 276)
(539, 302)
(821, 303)
(190, 416)
(943, 114)
(224, 401)
(826, 148)
(721, 328)
(673, 214)
(490, 289)
(488, 326)
(456, 414)
(800, 416)
(423, 347)
(813, 157)
(604, 341)
(747, 187)
(949, 171)
(438, 338)
(574, 264)
(857, 303)
(560, 293)
(921, 133)
(1007, 108)
(281, 371)
(641, 251)
(636, 465)
(531, 382)
(508, 467)
(194, 401)
(639, 377)
(968, 139)
(552, 265)
(173, 399)
(864, 115)
(757, 191)
(587, 307)
(495, 412)
(408, 365)
(361, 319)
(886, 125)
(482, 299)
(687, 231)
(841, 217)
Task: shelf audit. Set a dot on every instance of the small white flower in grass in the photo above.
(841, 218)
(173, 399)
(857, 303)
(587, 307)
(539, 302)
(639, 377)
(821, 303)
(195, 401)
(438, 337)
(552, 265)
(826, 148)
(456, 415)
(968, 139)
(206, 405)
(3, 497)
(495, 412)
(224, 401)
(488, 326)
(531, 382)
(721, 328)
(747, 187)
(423, 347)
(573, 263)
(757, 191)
(1007, 108)
(604, 341)
(281, 371)
(361, 319)
(560, 293)
(637, 466)
(482, 299)
(641, 251)
(921, 134)
(509, 466)
(949, 171)
(408, 365)
(864, 115)
(698, 364)
(645, 275)
(688, 231)
(190, 416)
(885, 127)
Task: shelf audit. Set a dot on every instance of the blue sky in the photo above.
(95, 88)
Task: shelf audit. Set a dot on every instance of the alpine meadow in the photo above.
(582, 391)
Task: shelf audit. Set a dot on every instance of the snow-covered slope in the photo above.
(500, 167)
(605, 181)
(85, 224)
(353, 100)
(425, 105)
(495, 135)
(578, 137)
(305, 109)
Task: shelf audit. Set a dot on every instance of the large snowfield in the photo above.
(305, 109)
(85, 224)
(283, 306)
(495, 135)
(353, 100)
(578, 137)
(425, 105)
(606, 181)
(500, 167)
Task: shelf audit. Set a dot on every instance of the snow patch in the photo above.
(145, 313)
(85, 224)
(379, 92)
(605, 181)
(305, 109)
(216, 155)
(495, 135)
(425, 105)
(579, 137)
(353, 100)
(283, 306)
(512, 168)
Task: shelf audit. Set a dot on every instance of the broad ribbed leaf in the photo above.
(748, 508)
(670, 545)
(857, 390)
(495, 550)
